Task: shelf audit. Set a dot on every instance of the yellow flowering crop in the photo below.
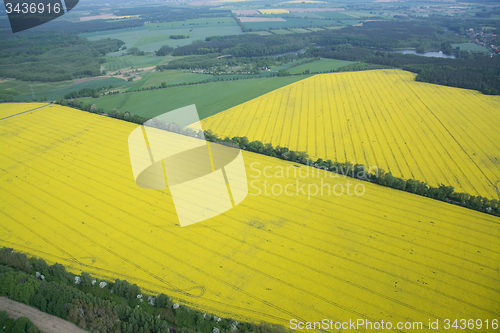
(286, 252)
(382, 118)
(10, 109)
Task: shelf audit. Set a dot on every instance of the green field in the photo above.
(260, 33)
(300, 31)
(155, 79)
(281, 32)
(55, 90)
(53, 93)
(470, 47)
(24, 87)
(320, 66)
(146, 40)
(335, 28)
(151, 37)
(336, 15)
(316, 29)
(212, 21)
(129, 61)
(210, 98)
(290, 22)
(286, 67)
(306, 15)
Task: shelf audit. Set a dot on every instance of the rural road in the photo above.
(45, 322)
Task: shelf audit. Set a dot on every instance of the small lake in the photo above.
(439, 54)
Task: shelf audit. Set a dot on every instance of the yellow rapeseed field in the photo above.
(10, 109)
(286, 252)
(382, 118)
(274, 11)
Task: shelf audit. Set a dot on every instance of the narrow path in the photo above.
(496, 188)
(45, 322)
(15, 115)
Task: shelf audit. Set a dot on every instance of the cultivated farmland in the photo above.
(68, 195)
(210, 98)
(380, 118)
(7, 110)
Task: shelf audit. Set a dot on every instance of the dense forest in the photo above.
(384, 35)
(53, 57)
(476, 71)
(99, 305)
(20, 325)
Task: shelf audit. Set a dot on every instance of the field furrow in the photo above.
(383, 118)
(287, 251)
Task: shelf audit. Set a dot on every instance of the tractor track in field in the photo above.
(18, 114)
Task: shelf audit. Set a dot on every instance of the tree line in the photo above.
(7, 95)
(99, 305)
(478, 71)
(359, 171)
(20, 325)
(85, 92)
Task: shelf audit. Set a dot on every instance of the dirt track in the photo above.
(45, 322)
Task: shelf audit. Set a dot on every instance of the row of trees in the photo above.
(164, 50)
(114, 113)
(20, 325)
(85, 92)
(103, 306)
(7, 95)
(359, 171)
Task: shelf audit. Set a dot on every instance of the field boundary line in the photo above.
(18, 114)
